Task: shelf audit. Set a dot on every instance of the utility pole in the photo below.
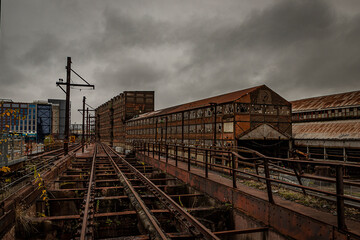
(88, 122)
(83, 125)
(67, 92)
(67, 111)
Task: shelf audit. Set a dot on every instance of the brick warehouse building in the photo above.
(256, 117)
(111, 116)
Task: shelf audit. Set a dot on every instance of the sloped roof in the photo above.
(327, 102)
(340, 130)
(224, 98)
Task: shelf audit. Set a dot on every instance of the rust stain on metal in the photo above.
(327, 102)
(345, 129)
(224, 98)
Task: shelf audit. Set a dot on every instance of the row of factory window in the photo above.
(198, 128)
(220, 110)
(186, 142)
(23, 121)
(343, 112)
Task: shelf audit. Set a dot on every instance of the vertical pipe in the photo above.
(339, 198)
(268, 182)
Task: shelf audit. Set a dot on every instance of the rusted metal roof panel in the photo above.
(340, 130)
(327, 102)
(224, 98)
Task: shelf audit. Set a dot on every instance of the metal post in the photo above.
(153, 150)
(268, 182)
(339, 198)
(67, 111)
(176, 156)
(12, 147)
(148, 149)
(83, 125)
(21, 146)
(206, 164)
(159, 151)
(167, 153)
(233, 171)
(229, 157)
(189, 158)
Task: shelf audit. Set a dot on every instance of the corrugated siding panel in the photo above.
(326, 102)
(346, 129)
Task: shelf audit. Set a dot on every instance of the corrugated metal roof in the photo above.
(341, 130)
(327, 102)
(224, 98)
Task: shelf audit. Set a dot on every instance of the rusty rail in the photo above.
(154, 227)
(186, 219)
(88, 213)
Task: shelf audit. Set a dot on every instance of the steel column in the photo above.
(339, 199)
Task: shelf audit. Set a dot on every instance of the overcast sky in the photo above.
(183, 50)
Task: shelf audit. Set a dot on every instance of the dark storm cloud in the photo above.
(294, 46)
(183, 50)
(9, 73)
(131, 75)
(43, 51)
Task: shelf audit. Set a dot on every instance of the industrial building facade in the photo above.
(112, 115)
(328, 127)
(256, 117)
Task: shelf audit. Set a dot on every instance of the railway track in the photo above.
(25, 189)
(103, 195)
(14, 180)
(187, 222)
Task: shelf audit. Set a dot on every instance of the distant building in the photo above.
(44, 120)
(328, 126)
(61, 116)
(35, 120)
(76, 129)
(17, 117)
(111, 116)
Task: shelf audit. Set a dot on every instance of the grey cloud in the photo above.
(130, 75)
(184, 52)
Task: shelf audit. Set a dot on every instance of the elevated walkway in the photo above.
(286, 217)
